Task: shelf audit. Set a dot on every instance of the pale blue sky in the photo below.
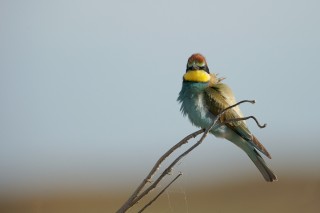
(88, 88)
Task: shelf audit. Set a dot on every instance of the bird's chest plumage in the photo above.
(193, 104)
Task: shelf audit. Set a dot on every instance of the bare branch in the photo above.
(245, 118)
(160, 193)
(138, 195)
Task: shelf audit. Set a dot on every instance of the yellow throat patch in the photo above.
(197, 76)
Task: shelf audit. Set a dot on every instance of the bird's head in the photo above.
(197, 69)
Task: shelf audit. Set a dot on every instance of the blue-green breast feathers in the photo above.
(193, 104)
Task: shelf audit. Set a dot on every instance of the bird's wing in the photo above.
(218, 97)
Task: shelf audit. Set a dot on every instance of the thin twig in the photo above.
(245, 118)
(160, 193)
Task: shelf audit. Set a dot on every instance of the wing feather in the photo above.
(218, 97)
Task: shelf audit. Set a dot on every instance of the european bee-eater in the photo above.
(203, 97)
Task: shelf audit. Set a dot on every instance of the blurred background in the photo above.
(88, 103)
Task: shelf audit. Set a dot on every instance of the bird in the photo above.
(203, 96)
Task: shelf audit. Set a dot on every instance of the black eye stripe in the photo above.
(205, 68)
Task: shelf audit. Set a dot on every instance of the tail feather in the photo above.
(256, 143)
(250, 149)
(267, 173)
(256, 158)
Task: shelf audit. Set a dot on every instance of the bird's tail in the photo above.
(249, 148)
(256, 158)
